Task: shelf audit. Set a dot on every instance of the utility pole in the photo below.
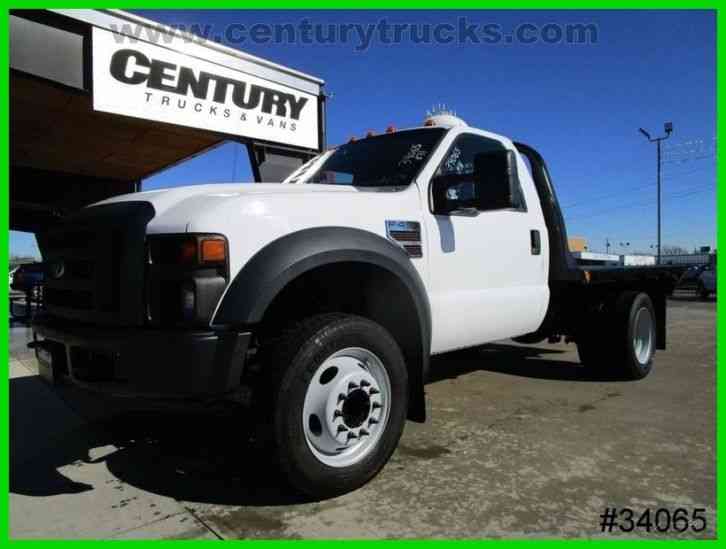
(607, 245)
(668, 127)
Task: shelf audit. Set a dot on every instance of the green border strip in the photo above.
(377, 5)
(4, 251)
(339, 5)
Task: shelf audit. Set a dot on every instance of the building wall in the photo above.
(577, 244)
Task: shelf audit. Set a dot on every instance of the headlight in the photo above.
(186, 276)
(188, 251)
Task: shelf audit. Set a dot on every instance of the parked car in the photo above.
(27, 277)
(12, 275)
(689, 279)
(707, 282)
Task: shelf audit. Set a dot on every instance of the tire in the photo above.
(702, 291)
(14, 314)
(623, 342)
(26, 307)
(336, 392)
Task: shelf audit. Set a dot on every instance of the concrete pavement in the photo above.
(519, 443)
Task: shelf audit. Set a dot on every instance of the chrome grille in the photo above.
(95, 264)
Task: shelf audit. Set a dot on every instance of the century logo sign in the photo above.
(133, 67)
(156, 83)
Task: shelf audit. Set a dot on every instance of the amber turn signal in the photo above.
(213, 250)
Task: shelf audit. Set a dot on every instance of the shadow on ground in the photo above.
(199, 457)
(203, 457)
(514, 360)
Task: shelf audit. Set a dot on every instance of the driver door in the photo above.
(488, 265)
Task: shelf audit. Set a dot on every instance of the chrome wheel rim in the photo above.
(643, 336)
(346, 408)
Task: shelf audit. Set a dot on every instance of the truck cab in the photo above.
(478, 256)
(319, 301)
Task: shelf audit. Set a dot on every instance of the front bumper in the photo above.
(144, 363)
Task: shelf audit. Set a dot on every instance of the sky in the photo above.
(580, 105)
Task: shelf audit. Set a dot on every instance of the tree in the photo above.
(673, 250)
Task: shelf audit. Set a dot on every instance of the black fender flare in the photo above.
(273, 267)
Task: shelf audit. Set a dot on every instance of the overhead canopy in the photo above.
(56, 129)
(92, 113)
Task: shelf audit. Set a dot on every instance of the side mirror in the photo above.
(454, 193)
(492, 186)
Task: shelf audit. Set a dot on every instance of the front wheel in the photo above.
(338, 396)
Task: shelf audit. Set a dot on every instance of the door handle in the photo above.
(535, 242)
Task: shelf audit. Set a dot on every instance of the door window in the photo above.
(459, 160)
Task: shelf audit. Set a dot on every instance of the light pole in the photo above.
(668, 127)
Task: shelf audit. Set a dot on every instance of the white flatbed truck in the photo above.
(325, 296)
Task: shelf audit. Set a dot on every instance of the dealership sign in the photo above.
(146, 81)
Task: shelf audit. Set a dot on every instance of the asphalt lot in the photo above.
(519, 444)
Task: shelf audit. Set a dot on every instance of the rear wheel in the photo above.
(337, 395)
(624, 341)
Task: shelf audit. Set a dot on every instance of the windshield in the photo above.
(298, 174)
(388, 160)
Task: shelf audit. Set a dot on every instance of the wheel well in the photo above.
(578, 308)
(357, 288)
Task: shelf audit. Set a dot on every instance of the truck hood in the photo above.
(213, 208)
(188, 208)
(165, 199)
(252, 215)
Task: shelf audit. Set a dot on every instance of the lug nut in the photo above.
(337, 413)
(364, 383)
(373, 391)
(372, 421)
(352, 435)
(342, 396)
(342, 428)
(352, 386)
(363, 432)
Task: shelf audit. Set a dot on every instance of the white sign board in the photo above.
(146, 81)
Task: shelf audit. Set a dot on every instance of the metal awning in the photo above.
(95, 108)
